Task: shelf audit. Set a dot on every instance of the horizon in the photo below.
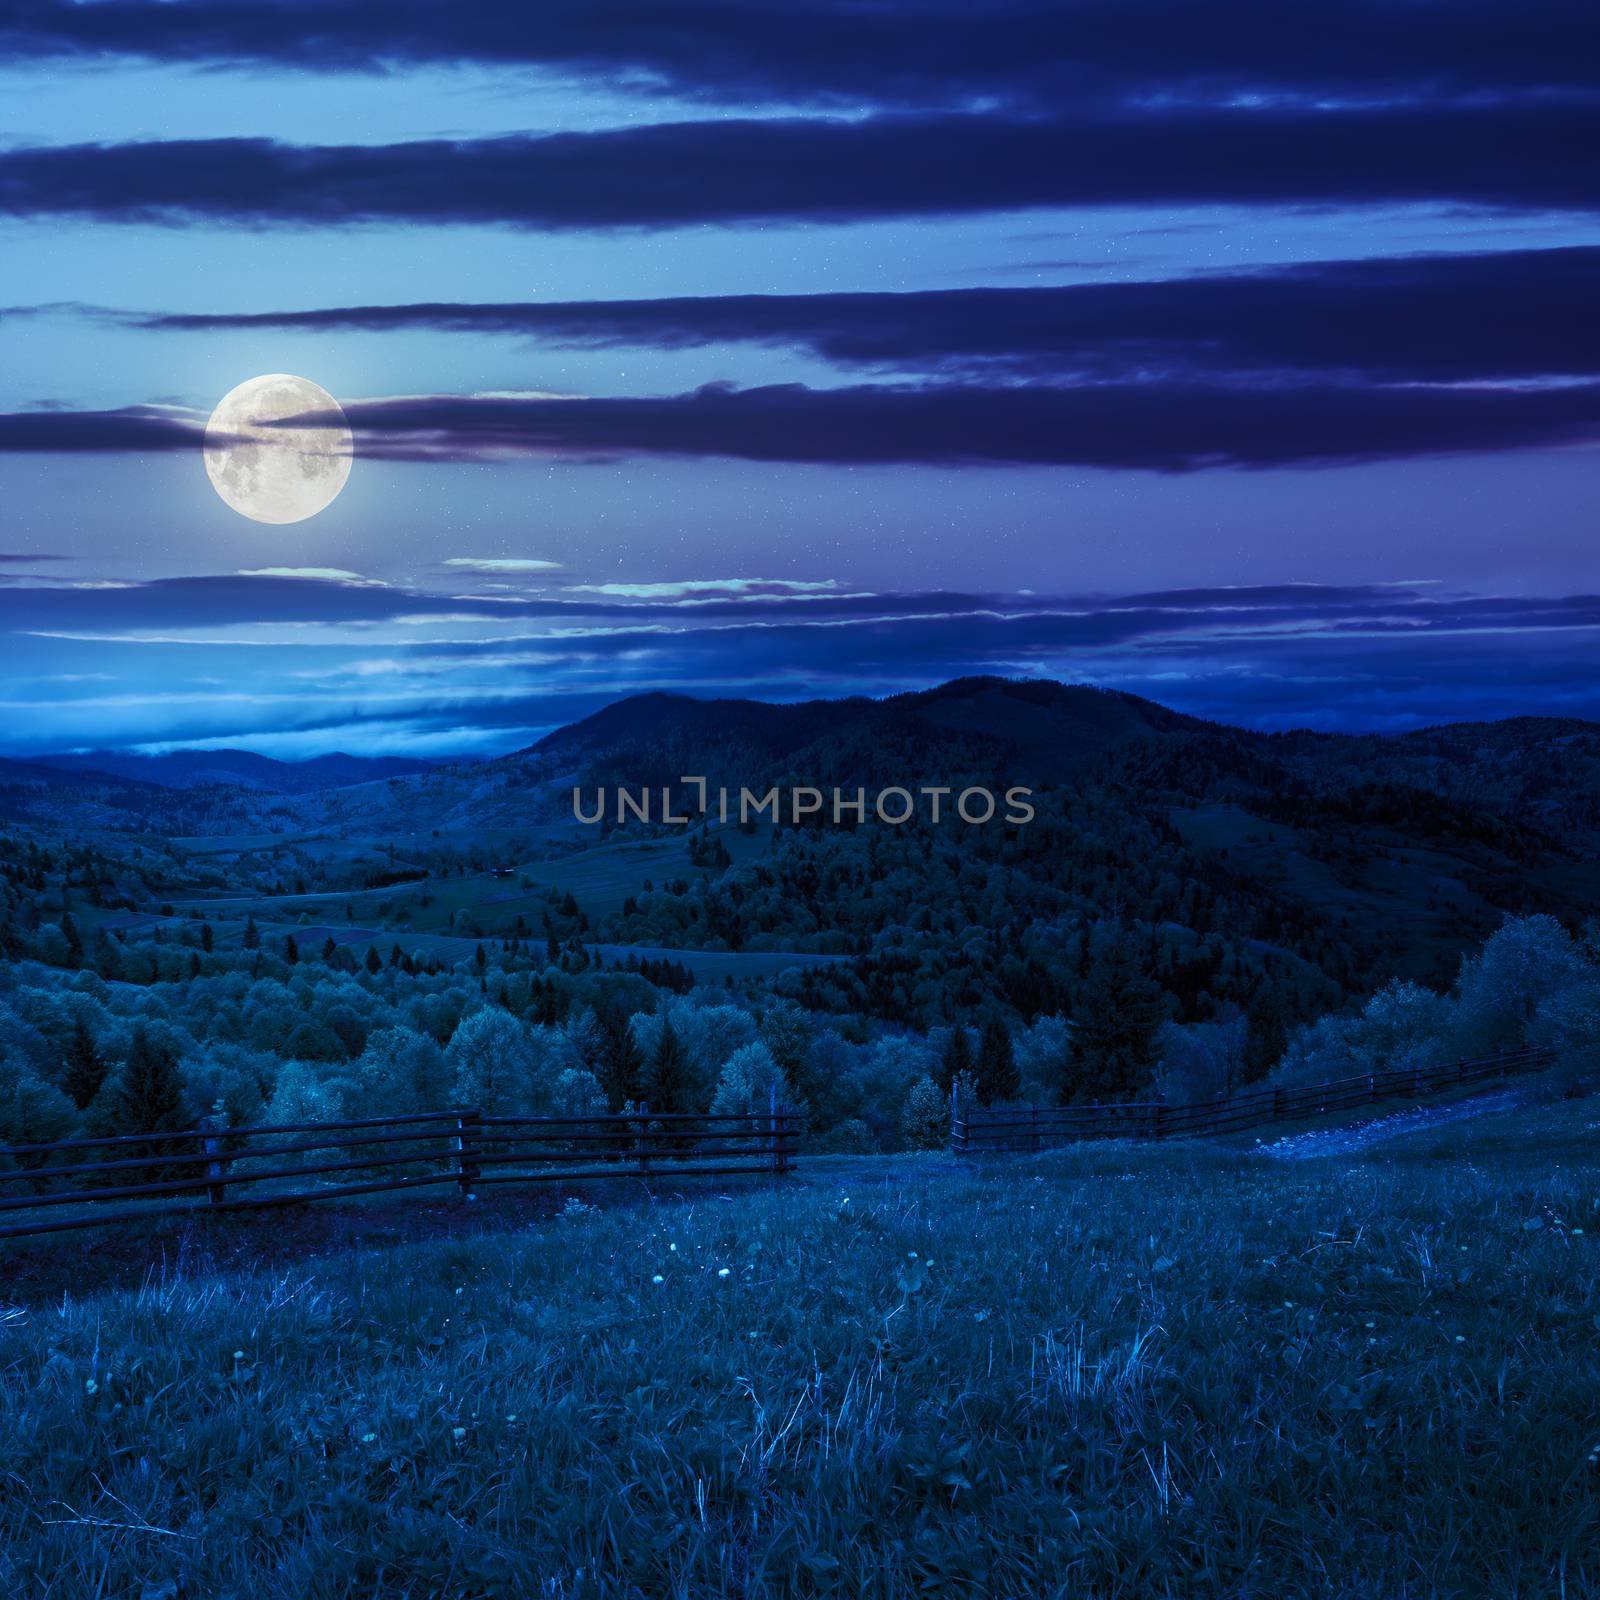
(446, 759)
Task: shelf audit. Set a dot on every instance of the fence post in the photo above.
(958, 1134)
(1033, 1119)
(772, 1125)
(467, 1149)
(211, 1149)
(1158, 1130)
(644, 1138)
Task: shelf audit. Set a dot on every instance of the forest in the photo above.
(1194, 909)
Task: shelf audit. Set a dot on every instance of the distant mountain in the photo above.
(1033, 731)
(186, 769)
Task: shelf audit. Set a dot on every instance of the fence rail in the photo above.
(48, 1188)
(984, 1130)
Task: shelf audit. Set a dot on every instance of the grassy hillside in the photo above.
(1133, 1372)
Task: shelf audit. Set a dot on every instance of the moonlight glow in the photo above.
(273, 473)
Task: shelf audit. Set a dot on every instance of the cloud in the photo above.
(1166, 427)
(28, 558)
(892, 52)
(1430, 318)
(135, 428)
(834, 169)
(502, 563)
(1174, 426)
(1347, 656)
(323, 574)
(698, 588)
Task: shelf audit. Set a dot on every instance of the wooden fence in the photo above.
(45, 1188)
(978, 1129)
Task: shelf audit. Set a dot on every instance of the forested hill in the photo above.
(1038, 732)
(1276, 876)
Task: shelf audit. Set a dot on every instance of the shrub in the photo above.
(925, 1116)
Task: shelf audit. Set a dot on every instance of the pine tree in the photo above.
(957, 1061)
(998, 1079)
(1116, 1017)
(208, 939)
(669, 1073)
(252, 934)
(86, 1071)
(374, 962)
(146, 1096)
(621, 1068)
(329, 948)
(69, 932)
(291, 951)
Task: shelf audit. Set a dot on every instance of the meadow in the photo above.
(1118, 1371)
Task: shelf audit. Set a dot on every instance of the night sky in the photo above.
(1241, 354)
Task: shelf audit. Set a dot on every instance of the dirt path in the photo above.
(1348, 1140)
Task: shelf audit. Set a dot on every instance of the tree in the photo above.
(146, 1095)
(998, 1079)
(621, 1066)
(669, 1074)
(252, 934)
(925, 1116)
(31, 1110)
(86, 1071)
(489, 1063)
(208, 939)
(374, 962)
(69, 932)
(1118, 1014)
(291, 951)
(957, 1060)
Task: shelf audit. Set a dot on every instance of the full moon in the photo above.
(277, 473)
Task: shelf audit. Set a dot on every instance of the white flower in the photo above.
(722, 1272)
(369, 1438)
(658, 1279)
(458, 1434)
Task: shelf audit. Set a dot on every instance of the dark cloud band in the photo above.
(1161, 427)
(1418, 319)
(836, 170)
(895, 52)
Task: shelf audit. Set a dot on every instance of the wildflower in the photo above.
(511, 1416)
(369, 1438)
(91, 1387)
(238, 1355)
(460, 1291)
(658, 1279)
(672, 1247)
(911, 1255)
(722, 1272)
(458, 1434)
(1372, 1324)
(1461, 1338)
